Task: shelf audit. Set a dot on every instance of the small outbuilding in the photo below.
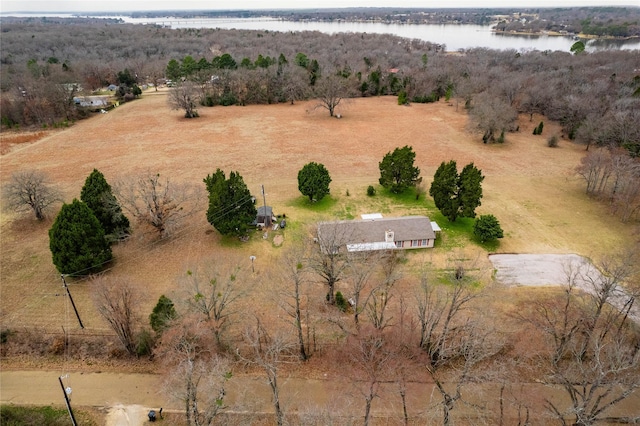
(265, 217)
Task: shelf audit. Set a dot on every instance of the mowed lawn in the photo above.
(532, 189)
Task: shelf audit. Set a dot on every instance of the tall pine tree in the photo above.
(457, 195)
(96, 194)
(231, 210)
(470, 190)
(77, 241)
(444, 190)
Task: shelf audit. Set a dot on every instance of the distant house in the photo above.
(93, 102)
(406, 232)
(265, 217)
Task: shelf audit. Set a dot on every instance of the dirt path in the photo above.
(127, 398)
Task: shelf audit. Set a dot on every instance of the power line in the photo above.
(185, 231)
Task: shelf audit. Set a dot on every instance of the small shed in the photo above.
(265, 217)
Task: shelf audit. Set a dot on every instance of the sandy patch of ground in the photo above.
(557, 269)
(126, 415)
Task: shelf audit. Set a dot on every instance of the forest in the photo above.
(47, 62)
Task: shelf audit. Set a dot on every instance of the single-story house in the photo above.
(406, 232)
(265, 217)
(92, 101)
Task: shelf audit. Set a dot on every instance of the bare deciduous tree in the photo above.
(294, 83)
(614, 176)
(331, 91)
(183, 97)
(116, 299)
(360, 268)
(592, 348)
(370, 358)
(383, 293)
(196, 377)
(200, 385)
(328, 257)
(492, 116)
(293, 301)
(213, 291)
(158, 202)
(267, 352)
(454, 340)
(30, 191)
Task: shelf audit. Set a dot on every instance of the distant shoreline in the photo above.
(579, 36)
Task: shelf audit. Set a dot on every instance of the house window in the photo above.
(399, 244)
(424, 242)
(415, 243)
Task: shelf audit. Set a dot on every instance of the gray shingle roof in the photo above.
(371, 231)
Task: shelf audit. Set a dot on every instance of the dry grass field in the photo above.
(531, 188)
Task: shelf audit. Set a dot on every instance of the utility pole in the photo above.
(66, 400)
(264, 203)
(64, 284)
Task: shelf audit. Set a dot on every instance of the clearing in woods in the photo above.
(532, 189)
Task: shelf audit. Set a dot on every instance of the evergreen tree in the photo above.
(313, 181)
(77, 241)
(487, 228)
(397, 171)
(457, 195)
(96, 194)
(173, 71)
(469, 190)
(231, 209)
(444, 190)
(163, 313)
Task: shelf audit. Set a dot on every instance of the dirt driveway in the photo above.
(556, 269)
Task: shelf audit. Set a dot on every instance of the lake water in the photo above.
(454, 37)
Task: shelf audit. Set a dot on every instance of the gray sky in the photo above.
(128, 5)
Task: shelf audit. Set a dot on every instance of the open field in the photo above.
(529, 187)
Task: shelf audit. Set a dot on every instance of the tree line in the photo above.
(594, 96)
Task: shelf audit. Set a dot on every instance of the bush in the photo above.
(4, 335)
(433, 97)
(538, 129)
(371, 191)
(341, 302)
(552, 142)
(487, 228)
(402, 98)
(144, 344)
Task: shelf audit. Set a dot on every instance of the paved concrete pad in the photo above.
(535, 269)
(559, 269)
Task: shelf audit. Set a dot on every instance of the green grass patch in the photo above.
(232, 241)
(454, 234)
(12, 415)
(406, 198)
(324, 205)
(345, 214)
(490, 246)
